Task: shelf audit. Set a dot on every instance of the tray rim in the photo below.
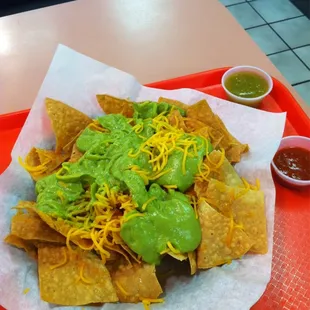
(7, 123)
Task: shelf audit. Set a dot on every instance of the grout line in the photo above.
(300, 46)
(253, 27)
(299, 83)
(283, 20)
(301, 60)
(280, 37)
(229, 5)
(277, 52)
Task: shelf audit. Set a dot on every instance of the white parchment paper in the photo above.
(75, 79)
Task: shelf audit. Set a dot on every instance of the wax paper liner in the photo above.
(75, 79)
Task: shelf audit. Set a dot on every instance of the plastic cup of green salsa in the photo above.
(247, 85)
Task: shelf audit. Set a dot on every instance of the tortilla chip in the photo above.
(41, 163)
(214, 250)
(203, 132)
(178, 256)
(226, 173)
(173, 102)
(192, 262)
(63, 228)
(27, 206)
(235, 151)
(221, 196)
(193, 125)
(31, 227)
(136, 282)
(249, 212)
(67, 122)
(69, 146)
(76, 154)
(73, 278)
(220, 136)
(176, 120)
(110, 105)
(28, 246)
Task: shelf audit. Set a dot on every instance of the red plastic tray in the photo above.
(289, 287)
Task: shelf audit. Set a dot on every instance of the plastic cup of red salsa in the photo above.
(293, 146)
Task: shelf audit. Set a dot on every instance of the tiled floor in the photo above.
(282, 32)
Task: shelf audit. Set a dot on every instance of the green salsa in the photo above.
(246, 84)
(167, 214)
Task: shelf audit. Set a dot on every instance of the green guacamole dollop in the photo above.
(168, 215)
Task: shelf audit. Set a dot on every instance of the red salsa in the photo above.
(294, 162)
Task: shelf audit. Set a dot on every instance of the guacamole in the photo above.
(109, 158)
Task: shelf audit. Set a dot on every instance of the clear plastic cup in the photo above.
(292, 141)
(251, 102)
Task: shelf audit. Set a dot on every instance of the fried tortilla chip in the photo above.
(200, 188)
(76, 154)
(226, 173)
(221, 196)
(67, 122)
(249, 212)
(214, 249)
(203, 132)
(178, 256)
(176, 120)
(26, 206)
(220, 136)
(28, 246)
(69, 146)
(192, 262)
(194, 125)
(29, 226)
(110, 105)
(202, 112)
(41, 163)
(173, 102)
(136, 282)
(73, 278)
(235, 151)
(64, 228)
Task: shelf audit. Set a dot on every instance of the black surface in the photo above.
(9, 7)
(303, 5)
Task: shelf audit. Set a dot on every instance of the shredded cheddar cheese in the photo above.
(100, 221)
(170, 186)
(121, 288)
(159, 146)
(26, 290)
(147, 301)
(172, 248)
(34, 169)
(147, 202)
(203, 173)
(62, 263)
(132, 216)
